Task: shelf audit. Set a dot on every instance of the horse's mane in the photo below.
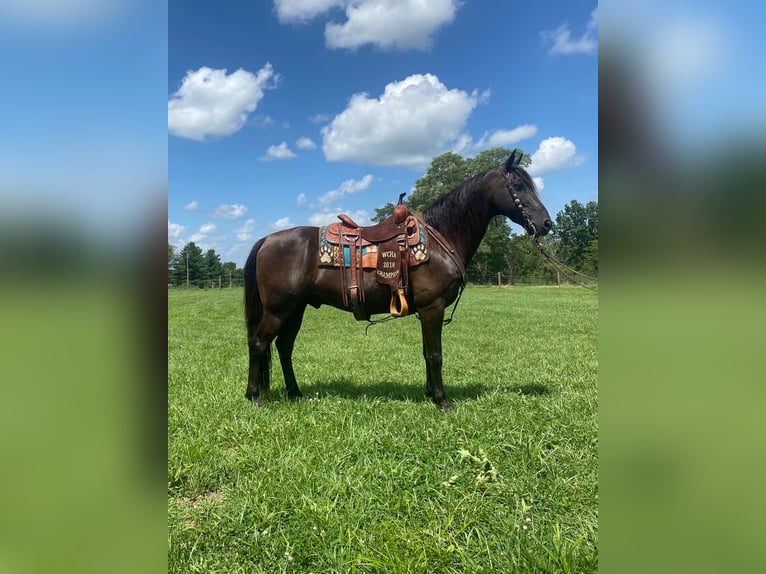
(462, 207)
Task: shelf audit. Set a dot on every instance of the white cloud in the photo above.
(411, 122)
(283, 223)
(280, 151)
(191, 206)
(503, 138)
(327, 216)
(212, 104)
(387, 24)
(320, 118)
(230, 211)
(245, 233)
(302, 11)
(305, 143)
(539, 183)
(348, 187)
(391, 24)
(554, 154)
(301, 200)
(563, 43)
(207, 228)
(175, 230)
(262, 121)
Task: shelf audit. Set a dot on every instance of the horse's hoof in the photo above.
(295, 398)
(257, 401)
(445, 405)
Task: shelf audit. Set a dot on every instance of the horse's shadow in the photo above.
(388, 390)
(412, 392)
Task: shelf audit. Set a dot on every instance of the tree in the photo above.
(384, 212)
(446, 172)
(233, 274)
(576, 227)
(590, 259)
(524, 260)
(213, 266)
(190, 259)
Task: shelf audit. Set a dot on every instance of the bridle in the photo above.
(517, 201)
(566, 270)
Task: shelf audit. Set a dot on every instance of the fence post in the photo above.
(498, 279)
(558, 278)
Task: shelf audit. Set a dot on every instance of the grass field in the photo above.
(367, 475)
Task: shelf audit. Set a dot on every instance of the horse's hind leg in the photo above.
(285, 343)
(259, 347)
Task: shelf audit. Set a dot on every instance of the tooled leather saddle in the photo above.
(390, 247)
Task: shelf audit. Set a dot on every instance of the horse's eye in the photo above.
(518, 186)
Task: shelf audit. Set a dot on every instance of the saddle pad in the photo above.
(367, 256)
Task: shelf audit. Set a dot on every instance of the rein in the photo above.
(568, 272)
(559, 265)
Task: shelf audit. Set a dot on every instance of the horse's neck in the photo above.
(465, 233)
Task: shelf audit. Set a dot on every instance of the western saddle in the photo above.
(390, 247)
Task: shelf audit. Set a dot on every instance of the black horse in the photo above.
(282, 275)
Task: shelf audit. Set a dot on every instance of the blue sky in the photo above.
(286, 113)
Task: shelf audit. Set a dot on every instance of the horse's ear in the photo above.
(514, 160)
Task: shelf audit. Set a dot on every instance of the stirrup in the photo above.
(398, 307)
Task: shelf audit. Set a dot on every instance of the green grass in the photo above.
(367, 475)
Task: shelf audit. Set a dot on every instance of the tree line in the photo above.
(190, 267)
(574, 238)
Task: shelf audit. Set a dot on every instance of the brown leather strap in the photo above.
(354, 288)
(344, 294)
(444, 244)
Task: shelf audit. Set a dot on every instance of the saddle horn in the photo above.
(401, 211)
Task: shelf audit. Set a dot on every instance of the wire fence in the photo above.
(486, 279)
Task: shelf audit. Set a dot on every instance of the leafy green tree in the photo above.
(446, 172)
(384, 212)
(576, 227)
(590, 258)
(232, 273)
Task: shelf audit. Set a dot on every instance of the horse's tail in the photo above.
(254, 307)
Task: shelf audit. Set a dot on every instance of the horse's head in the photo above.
(516, 198)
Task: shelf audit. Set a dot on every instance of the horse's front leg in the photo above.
(431, 320)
